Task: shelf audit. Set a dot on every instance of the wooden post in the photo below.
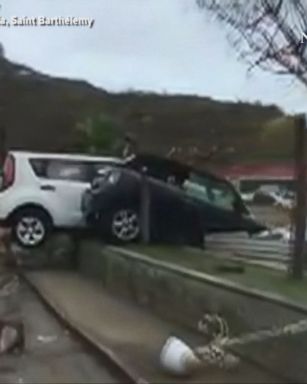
(5, 232)
(300, 209)
(145, 208)
(3, 145)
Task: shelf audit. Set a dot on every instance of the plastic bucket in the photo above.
(178, 358)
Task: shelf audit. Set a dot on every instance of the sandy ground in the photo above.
(113, 323)
(52, 354)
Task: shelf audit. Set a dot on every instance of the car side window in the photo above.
(210, 191)
(101, 168)
(39, 167)
(68, 170)
(223, 196)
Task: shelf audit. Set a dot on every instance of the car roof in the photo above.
(65, 156)
(177, 166)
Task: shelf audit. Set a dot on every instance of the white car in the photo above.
(248, 197)
(42, 191)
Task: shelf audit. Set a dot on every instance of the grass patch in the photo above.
(254, 277)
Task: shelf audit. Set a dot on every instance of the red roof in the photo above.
(263, 171)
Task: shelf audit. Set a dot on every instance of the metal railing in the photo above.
(242, 246)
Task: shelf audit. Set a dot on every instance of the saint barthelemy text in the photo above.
(44, 21)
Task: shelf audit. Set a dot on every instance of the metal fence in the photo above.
(242, 246)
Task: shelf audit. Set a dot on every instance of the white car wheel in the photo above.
(31, 227)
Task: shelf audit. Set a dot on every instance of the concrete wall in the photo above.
(176, 295)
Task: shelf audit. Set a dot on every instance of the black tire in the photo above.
(31, 227)
(131, 235)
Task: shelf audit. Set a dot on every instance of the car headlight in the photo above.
(113, 177)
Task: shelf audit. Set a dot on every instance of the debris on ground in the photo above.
(279, 233)
(214, 355)
(213, 327)
(9, 285)
(12, 337)
(216, 330)
(47, 338)
(179, 359)
(216, 351)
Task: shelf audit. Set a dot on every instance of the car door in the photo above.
(65, 182)
(215, 200)
(167, 210)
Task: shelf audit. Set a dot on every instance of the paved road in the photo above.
(52, 354)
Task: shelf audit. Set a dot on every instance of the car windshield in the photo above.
(209, 190)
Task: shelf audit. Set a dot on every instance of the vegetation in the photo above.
(277, 138)
(50, 108)
(270, 34)
(98, 135)
(254, 277)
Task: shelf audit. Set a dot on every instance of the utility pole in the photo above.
(3, 145)
(145, 207)
(300, 209)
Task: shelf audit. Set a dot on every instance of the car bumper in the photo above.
(4, 223)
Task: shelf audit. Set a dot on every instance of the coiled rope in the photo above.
(216, 330)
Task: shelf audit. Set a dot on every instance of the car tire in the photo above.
(31, 227)
(124, 225)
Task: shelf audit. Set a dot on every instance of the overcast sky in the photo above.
(160, 45)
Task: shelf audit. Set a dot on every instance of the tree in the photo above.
(271, 34)
(194, 157)
(98, 135)
(277, 138)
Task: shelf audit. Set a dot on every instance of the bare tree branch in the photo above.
(267, 33)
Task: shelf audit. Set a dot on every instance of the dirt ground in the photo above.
(111, 320)
(52, 354)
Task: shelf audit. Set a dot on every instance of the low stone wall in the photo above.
(182, 295)
(57, 253)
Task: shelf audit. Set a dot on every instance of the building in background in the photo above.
(249, 177)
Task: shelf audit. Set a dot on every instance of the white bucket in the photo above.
(178, 358)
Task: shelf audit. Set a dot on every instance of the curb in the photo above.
(212, 280)
(84, 333)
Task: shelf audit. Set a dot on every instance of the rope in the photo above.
(216, 329)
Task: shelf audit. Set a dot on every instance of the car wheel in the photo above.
(125, 225)
(31, 227)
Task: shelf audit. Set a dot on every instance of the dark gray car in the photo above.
(184, 203)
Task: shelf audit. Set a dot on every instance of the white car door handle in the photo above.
(48, 187)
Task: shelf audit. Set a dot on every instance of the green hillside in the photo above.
(41, 112)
